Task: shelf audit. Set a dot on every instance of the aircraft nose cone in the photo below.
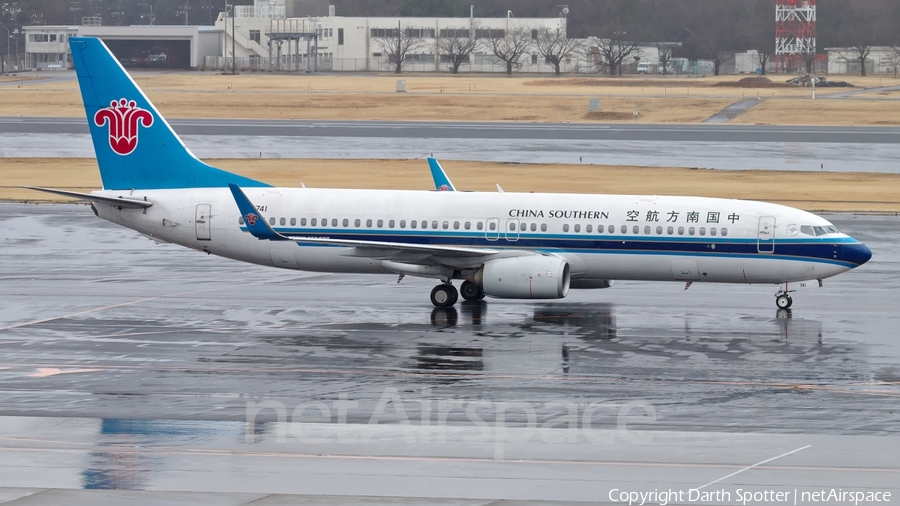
(857, 252)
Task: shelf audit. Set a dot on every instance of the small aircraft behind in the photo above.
(503, 245)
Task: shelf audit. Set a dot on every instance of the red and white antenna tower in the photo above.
(795, 31)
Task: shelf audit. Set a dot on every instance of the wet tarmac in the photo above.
(127, 365)
(725, 147)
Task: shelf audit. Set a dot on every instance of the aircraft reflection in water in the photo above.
(596, 324)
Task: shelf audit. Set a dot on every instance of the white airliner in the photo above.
(504, 245)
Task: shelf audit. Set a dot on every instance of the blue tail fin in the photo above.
(135, 147)
(441, 181)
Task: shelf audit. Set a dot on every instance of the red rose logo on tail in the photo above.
(123, 117)
(250, 218)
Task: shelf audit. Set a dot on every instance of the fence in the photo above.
(222, 63)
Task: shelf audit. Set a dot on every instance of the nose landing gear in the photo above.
(783, 299)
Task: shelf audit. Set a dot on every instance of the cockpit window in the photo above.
(832, 229)
(806, 229)
(819, 231)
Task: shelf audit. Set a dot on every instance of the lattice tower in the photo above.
(795, 27)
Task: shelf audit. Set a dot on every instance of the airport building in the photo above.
(264, 36)
(144, 46)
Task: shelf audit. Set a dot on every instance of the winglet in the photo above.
(255, 222)
(441, 181)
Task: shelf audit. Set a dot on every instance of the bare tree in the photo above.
(665, 57)
(397, 44)
(555, 47)
(893, 60)
(510, 46)
(613, 51)
(809, 58)
(457, 44)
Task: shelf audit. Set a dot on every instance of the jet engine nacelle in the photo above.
(525, 277)
(590, 284)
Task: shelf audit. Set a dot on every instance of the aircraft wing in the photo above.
(257, 225)
(118, 201)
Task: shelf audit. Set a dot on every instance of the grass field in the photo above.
(819, 191)
(658, 99)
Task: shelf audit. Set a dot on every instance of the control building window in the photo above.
(534, 59)
(340, 36)
(254, 36)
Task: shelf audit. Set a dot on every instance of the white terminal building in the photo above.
(292, 35)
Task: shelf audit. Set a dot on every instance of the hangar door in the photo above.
(151, 54)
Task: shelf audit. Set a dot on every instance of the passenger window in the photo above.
(302, 222)
(492, 226)
(282, 222)
(578, 228)
(356, 223)
(534, 227)
(691, 231)
(524, 227)
(455, 225)
(240, 220)
(468, 225)
(724, 231)
(512, 226)
(806, 229)
(543, 227)
(424, 224)
(611, 229)
(624, 229)
(480, 225)
(368, 223)
(680, 230)
(346, 222)
(659, 230)
(702, 230)
(293, 221)
(670, 230)
(413, 223)
(712, 230)
(272, 221)
(312, 222)
(565, 227)
(445, 225)
(434, 225)
(647, 230)
(334, 222)
(402, 223)
(636, 229)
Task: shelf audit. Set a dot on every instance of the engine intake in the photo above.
(525, 277)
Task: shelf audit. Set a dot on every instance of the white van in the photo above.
(645, 67)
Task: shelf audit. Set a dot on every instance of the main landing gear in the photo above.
(446, 295)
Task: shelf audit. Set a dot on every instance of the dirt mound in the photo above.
(751, 82)
(608, 116)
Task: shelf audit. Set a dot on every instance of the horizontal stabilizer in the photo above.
(118, 201)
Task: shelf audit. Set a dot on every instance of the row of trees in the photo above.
(458, 45)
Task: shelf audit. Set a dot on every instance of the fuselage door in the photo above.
(512, 230)
(202, 221)
(766, 238)
(492, 229)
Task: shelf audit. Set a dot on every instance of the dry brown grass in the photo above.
(823, 112)
(815, 191)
